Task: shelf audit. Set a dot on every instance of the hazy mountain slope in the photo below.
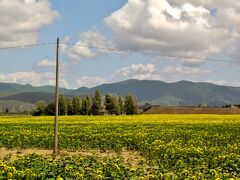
(3, 94)
(16, 106)
(18, 88)
(179, 93)
(31, 97)
(154, 92)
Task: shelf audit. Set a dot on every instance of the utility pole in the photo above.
(55, 148)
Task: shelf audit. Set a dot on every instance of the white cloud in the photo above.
(46, 63)
(219, 82)
(27, 77)
(225, 83)
(33, 78)
(21, 20)
(137, 71)
(89, 38)
(178, 73)
(49, 65)
(177, 28)
(152, 72)
(184, 70)
(90, 81)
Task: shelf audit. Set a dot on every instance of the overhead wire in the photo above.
(149, 53)
(26, 46)
(174, 57)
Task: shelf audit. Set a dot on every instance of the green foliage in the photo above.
(41, 105)
(76, 105)
(108, 103)
(97, 103)
(112, 105)
(69, 107)
(50, 109)
(63, 105)
(86, 107)
(130, 106)
(116, 108)
(34, 166)
(121, 105)
(171, 146)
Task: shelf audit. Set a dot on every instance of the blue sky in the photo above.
(169, 27)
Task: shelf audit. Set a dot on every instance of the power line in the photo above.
(25, 46)
(122, 51)
(150, 54)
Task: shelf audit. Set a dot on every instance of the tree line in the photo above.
(97, 105)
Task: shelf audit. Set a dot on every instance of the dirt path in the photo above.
(131, 157)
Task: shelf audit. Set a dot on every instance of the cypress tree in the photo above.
(121, 106)
(108, 104)
(130, 106)
(97, 103)
(76, 103)
(85, 106)
(63, 105)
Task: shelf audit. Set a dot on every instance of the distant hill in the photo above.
(3, 94)
(31, 97)
(16, 106)
(183, 93)
(19, 88)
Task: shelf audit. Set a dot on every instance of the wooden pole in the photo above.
(55, 149)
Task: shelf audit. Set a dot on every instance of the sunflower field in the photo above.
(165, 146)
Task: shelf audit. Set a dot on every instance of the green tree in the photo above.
(116, 107)
(63, 105)
(7, 110)
(112, 105)
(86, 106)
(97, 103)
(130, 106)
(76, 103)
(121, 106)
(50, 109)
(69, 107)
(108, 104)
(41, 105)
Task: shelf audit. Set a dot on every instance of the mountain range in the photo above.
(182, 93)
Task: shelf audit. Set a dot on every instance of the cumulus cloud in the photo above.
(137, 71)
(225, 83)
(198, 28)
(184, 70)
(177, 73)
(225, 12)
(49, 65)
(89, 38)
(90, 81)
(46, 63)
(152, 72)
(33, 78)
(27, 77)
(21, 20)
